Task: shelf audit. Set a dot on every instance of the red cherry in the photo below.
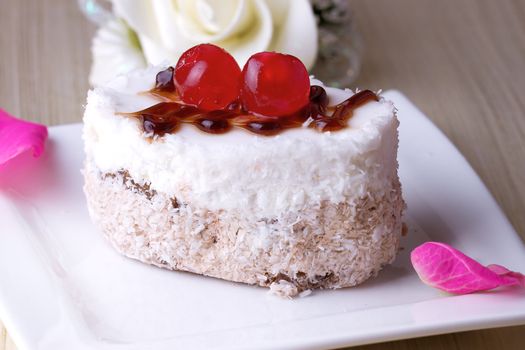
(208, 77)
(274, 84)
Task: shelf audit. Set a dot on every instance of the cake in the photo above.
(306, 202)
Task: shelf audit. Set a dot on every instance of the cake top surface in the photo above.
(126, 94)
(270, 95)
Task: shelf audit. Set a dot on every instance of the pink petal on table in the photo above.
(443, 267)
(18, 136)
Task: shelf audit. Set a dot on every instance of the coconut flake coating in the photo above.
(330, 246)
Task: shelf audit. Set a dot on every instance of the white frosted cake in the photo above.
(298, 210)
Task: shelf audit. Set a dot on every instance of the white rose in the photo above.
(167, 28)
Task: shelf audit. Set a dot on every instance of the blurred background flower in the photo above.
(133, 34)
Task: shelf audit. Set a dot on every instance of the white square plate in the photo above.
(63, 287)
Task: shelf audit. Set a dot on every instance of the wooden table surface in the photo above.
(461, 61)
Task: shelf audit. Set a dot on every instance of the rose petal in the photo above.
(18, 136)
(298, 33)
(115, 50)
(443, 267)
(504, 272)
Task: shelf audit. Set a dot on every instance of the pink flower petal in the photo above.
(18, 136)
(443, 267)
(504, 272)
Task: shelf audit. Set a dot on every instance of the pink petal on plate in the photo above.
(18, 136)
(504, 272)
(443, 267)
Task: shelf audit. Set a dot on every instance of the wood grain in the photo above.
(461, 61)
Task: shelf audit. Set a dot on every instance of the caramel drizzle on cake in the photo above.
(166, 116)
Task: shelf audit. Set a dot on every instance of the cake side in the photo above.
(334, 245)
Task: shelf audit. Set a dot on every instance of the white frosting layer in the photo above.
(258, 175)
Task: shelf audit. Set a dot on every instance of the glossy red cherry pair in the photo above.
(271, 84)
